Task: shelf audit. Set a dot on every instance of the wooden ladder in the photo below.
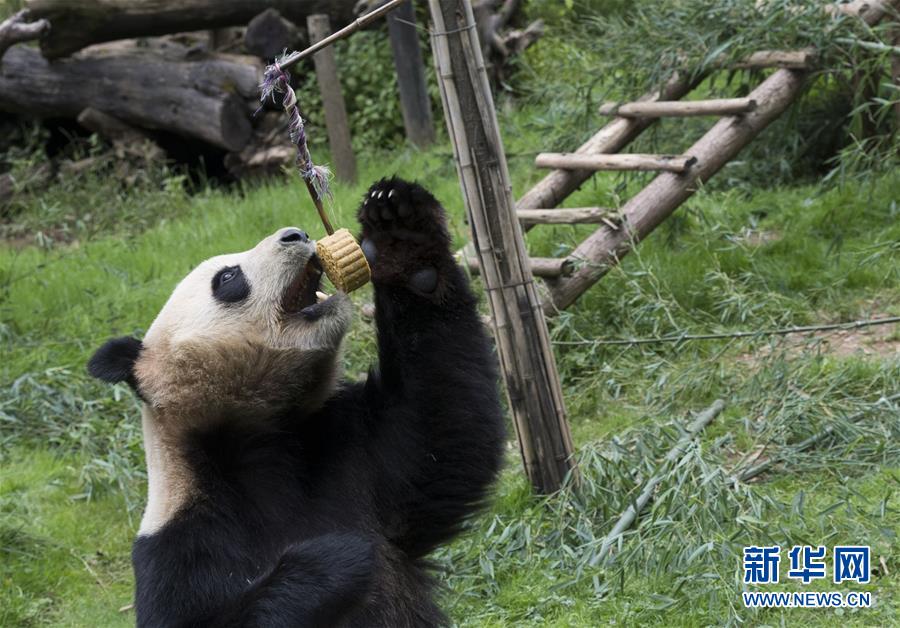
(740, 121)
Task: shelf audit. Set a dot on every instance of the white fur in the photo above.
(191, 321)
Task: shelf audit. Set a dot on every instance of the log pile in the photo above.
(168, 70)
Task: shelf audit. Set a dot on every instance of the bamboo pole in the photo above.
(348, 30)
(567, 216)
(622, 161)
(675, 454)
(520, 331)
(679, 108)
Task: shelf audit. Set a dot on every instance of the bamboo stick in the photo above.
(520, 331)
(567, 216)
(679, 108)
(624, 161)
(545, 267)
(348, 30)
(675, 454)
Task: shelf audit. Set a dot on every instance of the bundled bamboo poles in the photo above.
(523, 342)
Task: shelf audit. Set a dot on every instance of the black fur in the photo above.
(230, 285)
(327, 520)
(114, 361)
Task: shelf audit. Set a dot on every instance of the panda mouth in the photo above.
(303, 295)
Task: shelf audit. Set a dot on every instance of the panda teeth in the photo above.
(321, 296)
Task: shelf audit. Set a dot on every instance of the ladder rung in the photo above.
(565, 216)
(793, 59)
(679, 108)
(546, 267)
(624, 161)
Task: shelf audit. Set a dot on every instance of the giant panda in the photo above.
(280, 494)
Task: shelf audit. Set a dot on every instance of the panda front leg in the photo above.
(439, 430)
(315, 583)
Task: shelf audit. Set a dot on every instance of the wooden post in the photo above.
(332, 101)
(523, 343)
(414, 101)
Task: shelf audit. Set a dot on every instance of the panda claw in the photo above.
(381, 194)
(392, 193)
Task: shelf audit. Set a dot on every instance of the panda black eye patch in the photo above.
(230, 285)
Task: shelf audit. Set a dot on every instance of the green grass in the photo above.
(71, 468)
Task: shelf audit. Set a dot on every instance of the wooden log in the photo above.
(17, 28)
(344, 161)
(191, 98)
(545, 267)
(520, 331)
(124, 137)
(567, 216)
(269, 34)
(415, 103)
(612, 138)
(623, 161)
(793, 59)
(80, 23)
(679, 108)
(653, 204)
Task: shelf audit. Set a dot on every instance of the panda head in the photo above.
(242, 335)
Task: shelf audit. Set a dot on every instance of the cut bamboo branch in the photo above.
(624, 161)
(791, 59)
(675, 454)
(520, 331)
(546, 267)
(680, 108)
(748, 474)
(567, 216)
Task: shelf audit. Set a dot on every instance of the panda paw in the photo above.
(404, 235)
(402, 210)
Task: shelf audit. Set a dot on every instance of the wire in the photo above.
(738, 334)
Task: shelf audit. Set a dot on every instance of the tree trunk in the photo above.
(80, 23)
(205, 99)
(414, 101)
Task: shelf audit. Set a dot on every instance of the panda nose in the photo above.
(293, 235)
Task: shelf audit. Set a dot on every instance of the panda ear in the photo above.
(114, 361)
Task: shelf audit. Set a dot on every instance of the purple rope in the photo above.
(277, 80)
